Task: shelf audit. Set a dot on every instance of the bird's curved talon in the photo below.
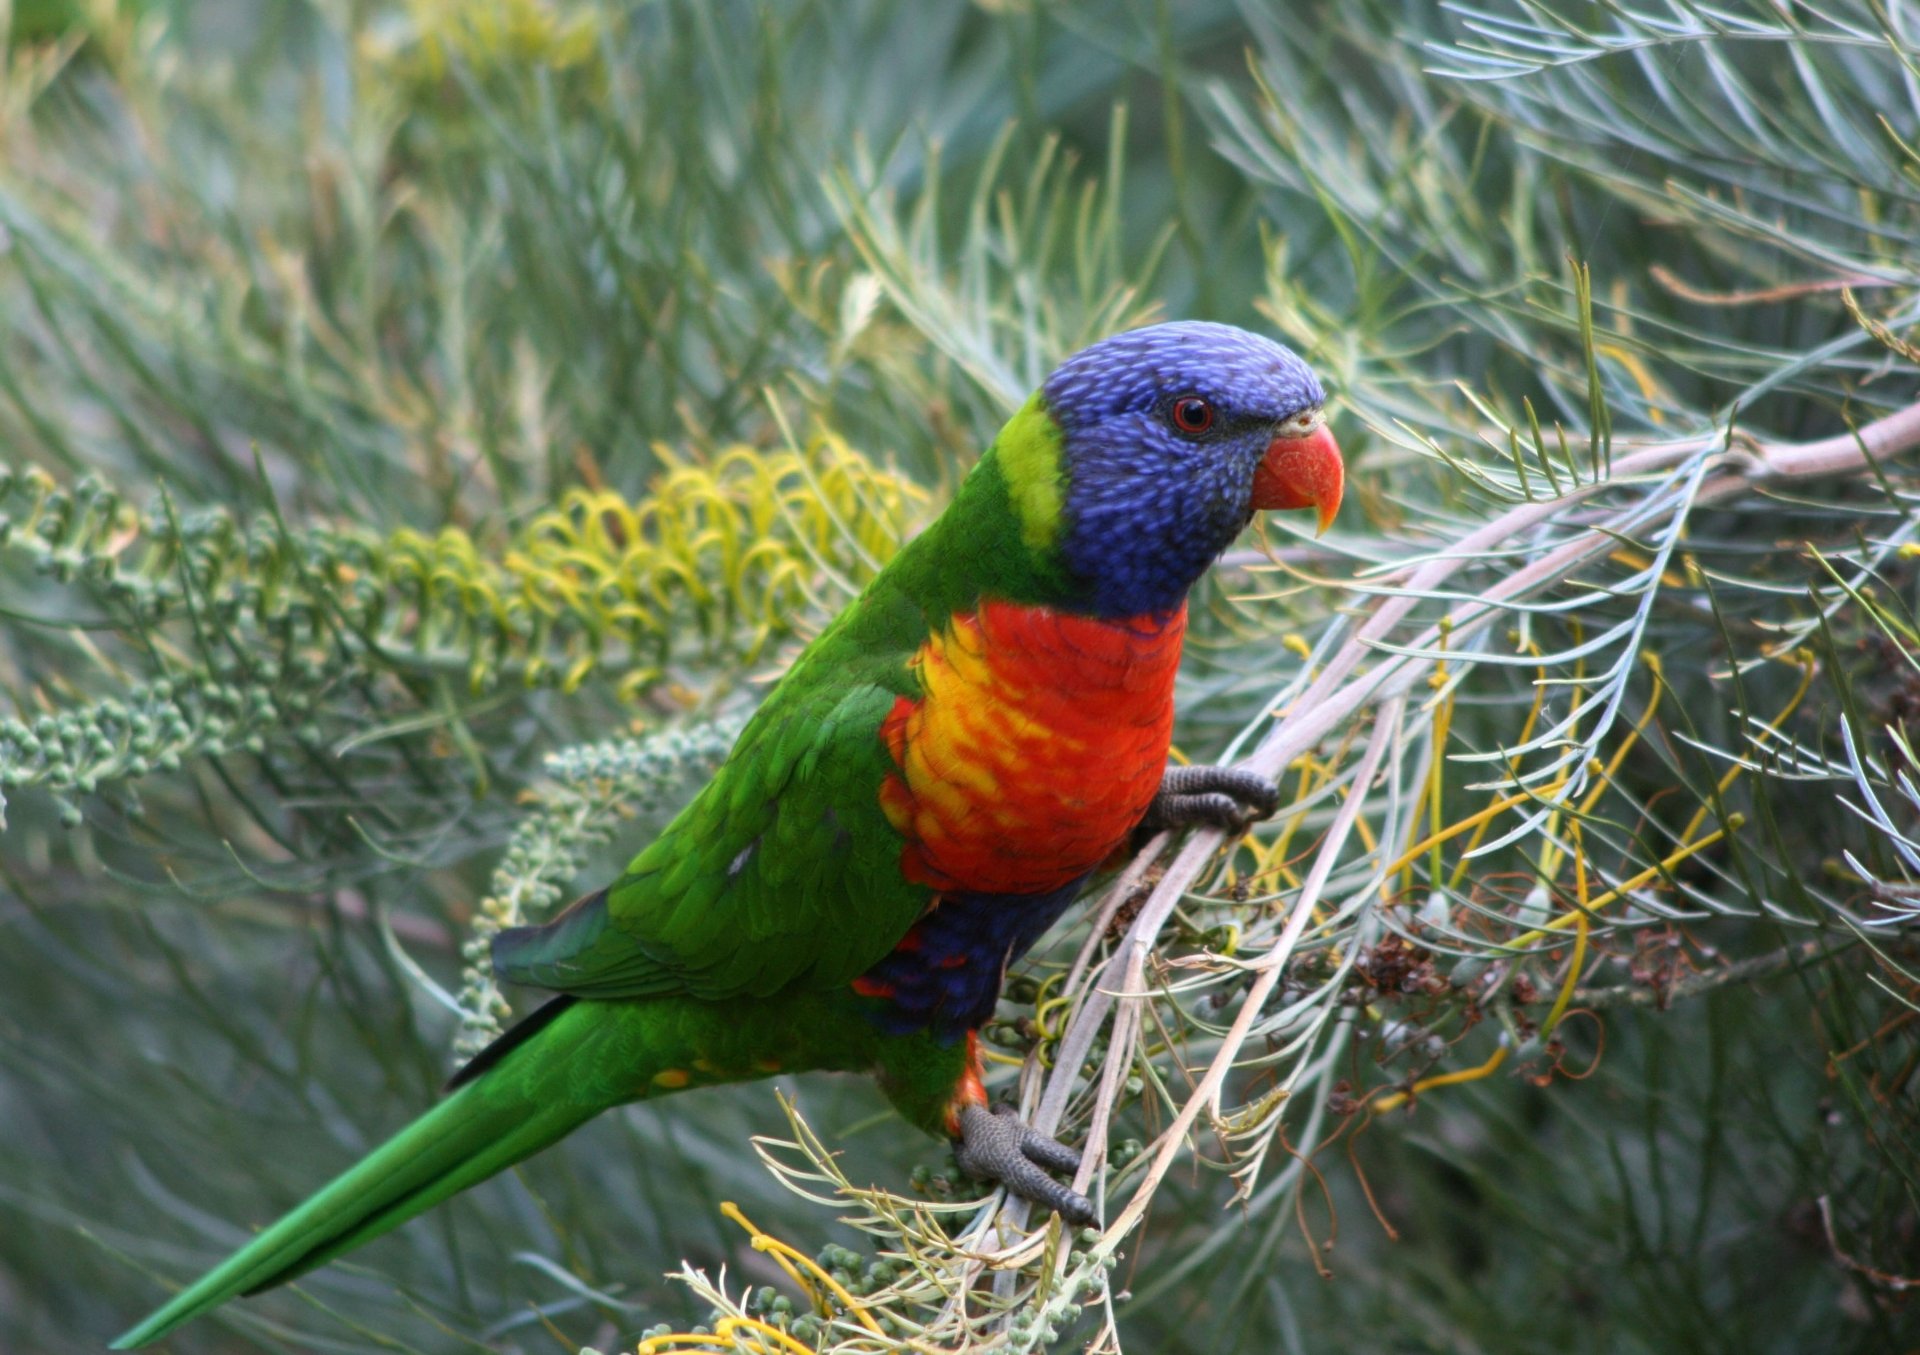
(999, 1146)
(1227, 798)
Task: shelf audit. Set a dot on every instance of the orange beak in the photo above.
(1302, 472)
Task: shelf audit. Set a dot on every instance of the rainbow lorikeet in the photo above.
(914, 803)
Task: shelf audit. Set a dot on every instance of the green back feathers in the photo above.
(732, 898)
(997, 538)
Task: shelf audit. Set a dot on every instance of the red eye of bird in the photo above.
(1191, 414)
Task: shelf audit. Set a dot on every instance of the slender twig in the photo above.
(1339, 692)
(1698, 985)
(1885, 1279)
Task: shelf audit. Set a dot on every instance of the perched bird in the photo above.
(914, 803)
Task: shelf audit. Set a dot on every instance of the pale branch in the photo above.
(1339, 693)
(1330, 699)
(1885, 1279)
(1268, 972)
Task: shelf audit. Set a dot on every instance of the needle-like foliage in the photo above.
(425, 427)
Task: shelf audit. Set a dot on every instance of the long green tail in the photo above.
(553, 1072)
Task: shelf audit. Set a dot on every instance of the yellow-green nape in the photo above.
(1029, 450)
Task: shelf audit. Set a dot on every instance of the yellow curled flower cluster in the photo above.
(733, 550)
(485, 35)
(719, 557)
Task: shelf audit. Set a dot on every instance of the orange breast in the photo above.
(1038, 742)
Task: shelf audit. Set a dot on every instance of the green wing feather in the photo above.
(782, 871)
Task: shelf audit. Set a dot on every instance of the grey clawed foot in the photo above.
(999, 1146)
(1227, 798)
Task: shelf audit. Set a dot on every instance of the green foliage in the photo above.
(283, 620)
(402, 502)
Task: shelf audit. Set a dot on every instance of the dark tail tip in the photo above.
(510, 1041)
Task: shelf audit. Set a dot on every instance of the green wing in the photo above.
(783, 870)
